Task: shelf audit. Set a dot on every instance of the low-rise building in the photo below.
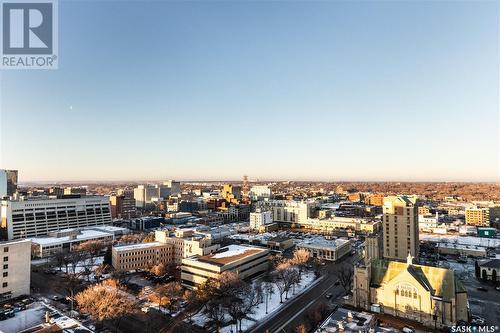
(65, 241)
(427, 222)
(326, 249)
(246, 261)
(344, 223)
(140, 256)
(168, 248)
(16, 269)
(489, 269)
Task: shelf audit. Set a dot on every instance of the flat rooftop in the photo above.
(229, 254)
(137, 246)
(322, 243)
(85, 235)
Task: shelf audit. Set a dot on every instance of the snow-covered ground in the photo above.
(34, 315)
(259, 312)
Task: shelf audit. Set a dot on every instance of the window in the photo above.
(5, 274)
(5, 266)
(5, 259)
(4, 285)
(6, 249)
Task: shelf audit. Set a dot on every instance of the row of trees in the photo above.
(226, 300)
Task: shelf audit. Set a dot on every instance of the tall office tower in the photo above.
(127, 192)
(400, 225)
(25, 218)
(231, 193)
(8, 183)
(175, 187)
(122, 207)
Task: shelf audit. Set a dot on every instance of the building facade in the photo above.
(400, 226)
(328, 225)
(324, 249)
(65, 241)
(168, 248)
(430, 295)
(8, 183)
(16, 269)
(141, 256)
(122, 207)
(287, 211)
(246, 261)
(34, 218)
(260, 192)
(259, 219)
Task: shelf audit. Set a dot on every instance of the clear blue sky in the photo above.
(276, 90)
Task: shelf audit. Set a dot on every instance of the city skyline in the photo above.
(327, 91)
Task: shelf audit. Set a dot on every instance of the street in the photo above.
(293, 314)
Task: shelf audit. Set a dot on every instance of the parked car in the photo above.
(482, 289)
(497, 288)
(329, 295)
(408, 329)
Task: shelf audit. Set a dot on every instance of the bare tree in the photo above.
(216, 314)
(346, 274)
(284, 277)
(166, 295)
(301, 329)
(300, 258)
(106, 301)
(241, 298)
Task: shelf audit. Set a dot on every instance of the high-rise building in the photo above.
(15, 259)
(175, 187)
(400, 225)
(122, 207)
(8, 183)
(145, 194)
(25, 218)
(288, 211)
(231, 193)
(260, 219)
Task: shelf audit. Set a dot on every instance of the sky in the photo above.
(283, 90)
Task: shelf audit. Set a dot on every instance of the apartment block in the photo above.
(400, 226)
(482, 217)
(259, 219)
(27, 218)
(288, 211)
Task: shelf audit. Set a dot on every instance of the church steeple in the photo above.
(409, 259)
